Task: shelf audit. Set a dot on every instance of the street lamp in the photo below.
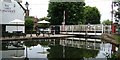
(27, 5)
(27, 14)
(27, 11)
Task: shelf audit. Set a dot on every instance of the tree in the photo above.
(107, 22)
(91, 15)
(44, 18)
(73, 12)
(29, 24)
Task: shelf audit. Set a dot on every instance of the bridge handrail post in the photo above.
(79, 29)
(86, 29)
(66, 28)
(102, 29)
(72, 28)
(95, 30)
(109, 29)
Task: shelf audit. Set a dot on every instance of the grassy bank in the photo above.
(117, 37)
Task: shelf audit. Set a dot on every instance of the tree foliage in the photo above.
(73, 12)
(29, 23)
(91, 15)
(107, 22)
(44, 18)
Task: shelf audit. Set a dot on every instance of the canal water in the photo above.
(56, 48)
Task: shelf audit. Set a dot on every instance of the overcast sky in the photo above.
(39, 8)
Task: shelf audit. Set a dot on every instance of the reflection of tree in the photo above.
(44, 43)
(4, 45)
(80, 53)
(30, 43)
(70, 52)
(55, 51)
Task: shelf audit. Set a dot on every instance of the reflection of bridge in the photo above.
(93, 44)
(86, 29)
(102, 47)
(80, 44)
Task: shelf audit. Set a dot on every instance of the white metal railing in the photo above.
(97, 27)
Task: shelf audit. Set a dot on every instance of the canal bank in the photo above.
(114, 40)
(29, 37)
(110, 38)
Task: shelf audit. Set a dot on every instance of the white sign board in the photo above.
(10, 11)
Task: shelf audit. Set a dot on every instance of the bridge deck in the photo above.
(83, 39)
(81, 33)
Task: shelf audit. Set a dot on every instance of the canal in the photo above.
(46, 49)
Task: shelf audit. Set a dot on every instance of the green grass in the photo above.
(117, 38)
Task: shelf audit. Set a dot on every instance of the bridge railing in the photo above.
(78, 28)
(100, 27)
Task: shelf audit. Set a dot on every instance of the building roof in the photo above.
(22, 7)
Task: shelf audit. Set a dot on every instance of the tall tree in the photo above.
(73, 12)
(91, 15)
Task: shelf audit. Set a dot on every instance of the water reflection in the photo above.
(12, 49)
(56, 48)
(80, 44)
(71, 49)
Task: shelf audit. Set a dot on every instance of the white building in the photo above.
(9, 11)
